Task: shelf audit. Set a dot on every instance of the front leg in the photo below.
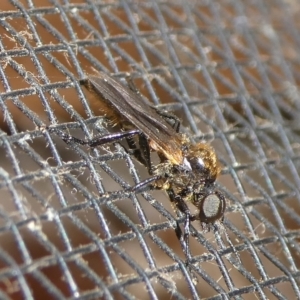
(182, 206)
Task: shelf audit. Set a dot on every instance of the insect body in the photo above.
(187, 171)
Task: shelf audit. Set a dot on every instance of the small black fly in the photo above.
(187, 171)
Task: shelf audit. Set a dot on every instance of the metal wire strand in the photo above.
(69, 226)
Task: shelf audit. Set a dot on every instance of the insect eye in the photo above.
(196, 164)
(212, 208)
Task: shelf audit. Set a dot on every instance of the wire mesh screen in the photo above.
(228, 69)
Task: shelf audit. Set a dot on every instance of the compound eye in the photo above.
(212, 208)
(196, 164)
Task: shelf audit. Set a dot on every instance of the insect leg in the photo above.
(98, 140)
(145, 149)
(133, 150)
(143, 185)
(131, 84)
(142, 154)
(182, 206)
(113, 137)
(167, 115)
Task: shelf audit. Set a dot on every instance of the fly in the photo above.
(187, 171)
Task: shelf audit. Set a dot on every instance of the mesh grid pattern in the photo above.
(228, 68)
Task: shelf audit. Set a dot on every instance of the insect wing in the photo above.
(132, 108)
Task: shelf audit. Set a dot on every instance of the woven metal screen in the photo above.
(228, 69)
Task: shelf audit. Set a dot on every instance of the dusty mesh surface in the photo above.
(230, 69)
